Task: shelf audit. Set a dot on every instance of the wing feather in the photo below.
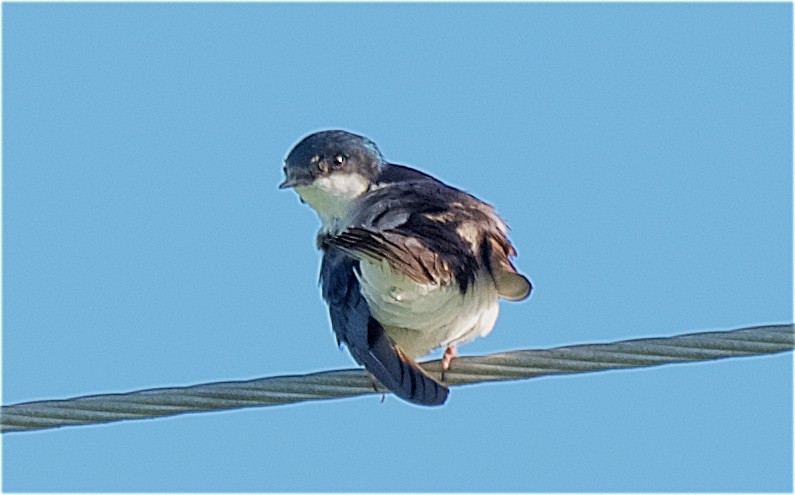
(365, 337)
(432, 233)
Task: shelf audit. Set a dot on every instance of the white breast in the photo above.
(421, 317)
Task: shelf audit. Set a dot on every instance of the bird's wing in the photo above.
(405, 254)
(432, 233)
(365, 337)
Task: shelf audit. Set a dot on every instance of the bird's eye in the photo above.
(339, 160)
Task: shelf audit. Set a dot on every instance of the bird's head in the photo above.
(329, 169)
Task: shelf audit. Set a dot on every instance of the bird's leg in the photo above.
(447, 358)
(375, 387)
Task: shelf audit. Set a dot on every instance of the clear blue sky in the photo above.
(641, 154)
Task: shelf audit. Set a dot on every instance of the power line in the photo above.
(512, 365)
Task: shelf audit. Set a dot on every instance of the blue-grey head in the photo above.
(329, 169)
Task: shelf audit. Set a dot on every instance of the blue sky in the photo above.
(641, 154)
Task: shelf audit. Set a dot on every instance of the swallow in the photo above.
(409, 263)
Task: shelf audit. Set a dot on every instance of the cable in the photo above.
(353, 382)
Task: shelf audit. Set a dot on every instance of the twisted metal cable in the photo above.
(353, 382)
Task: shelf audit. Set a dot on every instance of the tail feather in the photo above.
(365, 338)
(397, 371)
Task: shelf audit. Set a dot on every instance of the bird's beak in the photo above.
(299, 178)
(295, 181)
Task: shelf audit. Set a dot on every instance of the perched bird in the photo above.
(409, 263)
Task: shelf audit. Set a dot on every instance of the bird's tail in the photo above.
(397, 371)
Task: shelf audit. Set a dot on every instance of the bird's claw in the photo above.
(374, 384)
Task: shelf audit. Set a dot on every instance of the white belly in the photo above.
(421, 317)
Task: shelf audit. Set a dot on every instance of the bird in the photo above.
(409, 263)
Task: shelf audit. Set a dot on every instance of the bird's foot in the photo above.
(374, 384)
(447, 358)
